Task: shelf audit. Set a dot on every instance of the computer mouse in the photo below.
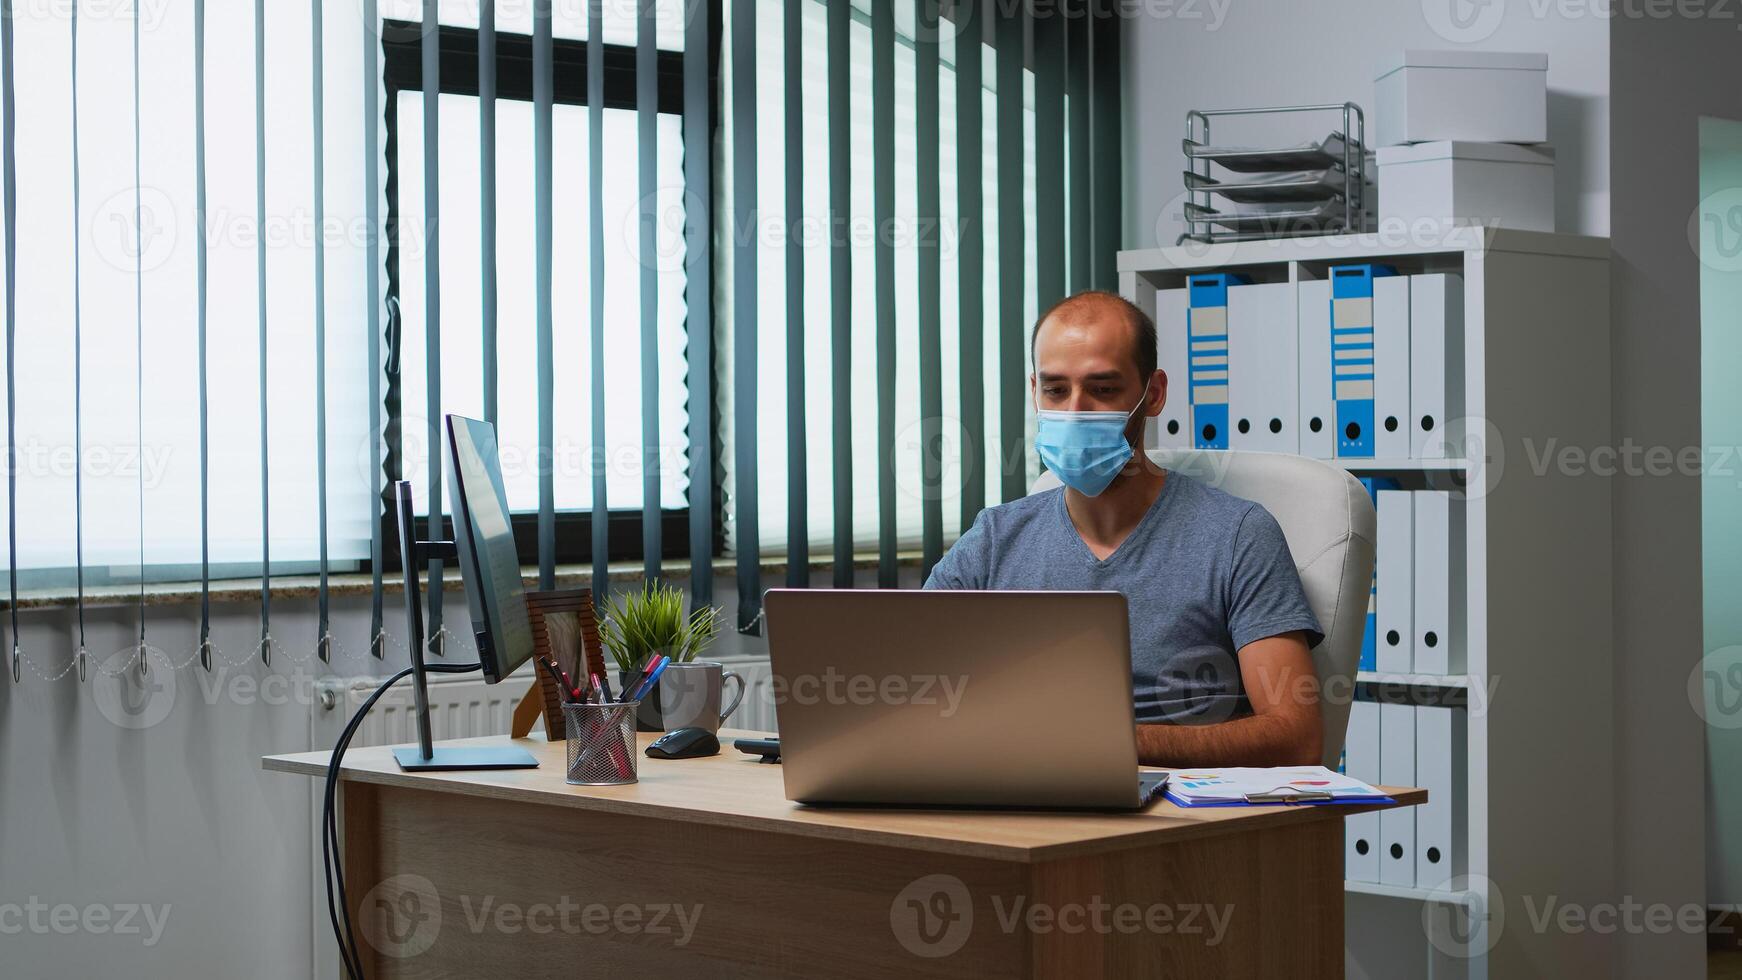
(684, 743)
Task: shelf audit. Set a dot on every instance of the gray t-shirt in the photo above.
(1204, 573)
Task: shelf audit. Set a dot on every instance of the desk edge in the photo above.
(1261, 818)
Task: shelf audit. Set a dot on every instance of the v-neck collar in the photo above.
(1143, 524)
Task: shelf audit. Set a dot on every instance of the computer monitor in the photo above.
(484, 539)
(484, 545)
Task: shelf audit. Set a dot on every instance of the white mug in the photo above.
(690, 695)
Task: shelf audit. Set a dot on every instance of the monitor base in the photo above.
(454, 757)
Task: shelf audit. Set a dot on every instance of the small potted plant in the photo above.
(637, 625)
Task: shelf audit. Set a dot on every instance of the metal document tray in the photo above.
(1323, 155)
(1323, 185)
(1283, 221)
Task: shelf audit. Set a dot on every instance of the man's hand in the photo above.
(1284, 728)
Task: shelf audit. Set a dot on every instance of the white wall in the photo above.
(175, 813)
(178, 812)
(1221, 54)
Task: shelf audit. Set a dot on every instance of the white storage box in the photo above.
(1466, 183)
(1479, 96)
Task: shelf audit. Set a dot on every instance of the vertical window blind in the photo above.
(748, 278)
(90, 279)
(883, 272)
(196, 179)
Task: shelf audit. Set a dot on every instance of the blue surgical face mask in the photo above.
(1086, 449)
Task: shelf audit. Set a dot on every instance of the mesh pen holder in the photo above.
(601, 743)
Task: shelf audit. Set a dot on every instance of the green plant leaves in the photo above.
(636, 625)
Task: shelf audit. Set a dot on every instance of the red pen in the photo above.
(569, 686)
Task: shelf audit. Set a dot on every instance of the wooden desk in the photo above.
(704, 869)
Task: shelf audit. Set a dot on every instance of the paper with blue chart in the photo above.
(1276, 785)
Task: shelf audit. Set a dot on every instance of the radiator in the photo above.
(757, 711)
(460, 706)
(463, 706)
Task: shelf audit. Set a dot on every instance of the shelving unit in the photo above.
(1399, 465)
(1445, 896)
(1461, 681)
(1537, 582)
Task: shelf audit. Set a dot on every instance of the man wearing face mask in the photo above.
(1220, 627)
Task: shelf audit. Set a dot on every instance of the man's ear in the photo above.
(1156, 397)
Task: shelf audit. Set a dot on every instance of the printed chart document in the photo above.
(1281, 785)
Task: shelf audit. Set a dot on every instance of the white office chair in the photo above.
(1328, 520)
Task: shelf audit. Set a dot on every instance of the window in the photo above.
(575, 457)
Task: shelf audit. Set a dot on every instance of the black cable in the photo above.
(332, 860)
(331, 865)
(338, 906)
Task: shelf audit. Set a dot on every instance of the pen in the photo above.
(636, 682)
(651, 679)
(562, 689)
(640, 678)
(570, 686)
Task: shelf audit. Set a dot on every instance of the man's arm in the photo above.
(1284, 728)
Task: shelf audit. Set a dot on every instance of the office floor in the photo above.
(1724, 965)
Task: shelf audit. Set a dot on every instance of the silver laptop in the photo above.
(973, 699)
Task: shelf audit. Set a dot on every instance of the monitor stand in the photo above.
(425, 756)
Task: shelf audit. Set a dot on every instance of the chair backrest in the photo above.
(1328, 520)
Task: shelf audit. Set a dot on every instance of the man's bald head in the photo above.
(1095, 306)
